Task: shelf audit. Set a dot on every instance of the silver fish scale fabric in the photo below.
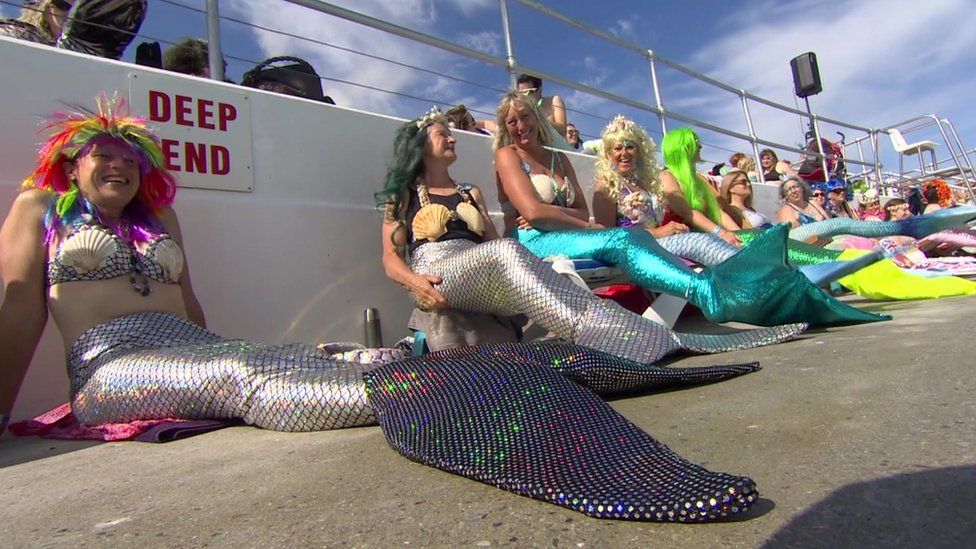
(502, 277)
(702, 248)
(158, 365)
(602, 373)
(526, 429)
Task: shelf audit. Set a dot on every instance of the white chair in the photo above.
(904, 149)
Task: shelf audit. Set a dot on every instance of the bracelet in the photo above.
(716, 230)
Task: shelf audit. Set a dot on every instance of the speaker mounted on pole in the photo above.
(806, 75)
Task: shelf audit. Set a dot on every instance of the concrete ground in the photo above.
(856, 436)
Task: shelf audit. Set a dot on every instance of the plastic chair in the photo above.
(903, 148)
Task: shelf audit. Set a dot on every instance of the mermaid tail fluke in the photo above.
(920, 226)
(526, 429)
(758, 287)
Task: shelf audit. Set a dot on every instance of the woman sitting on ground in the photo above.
(737, 198)
(545, 212)
(798, 207)
(690, 199)
(92, 238)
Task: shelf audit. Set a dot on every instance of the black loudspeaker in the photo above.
(806, 75)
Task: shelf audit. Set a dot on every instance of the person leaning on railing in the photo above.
(40, 21)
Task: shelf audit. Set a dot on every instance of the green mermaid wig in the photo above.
(680, 148)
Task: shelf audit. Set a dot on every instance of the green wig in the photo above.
(680, 148)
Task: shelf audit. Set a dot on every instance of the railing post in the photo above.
(657, 93)
(509, 49)
(760, 177)
(214, 52)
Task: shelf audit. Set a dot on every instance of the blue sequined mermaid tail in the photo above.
(755, 285)
(526, 429)
(159, 365)
(502, 277)
(917, 226)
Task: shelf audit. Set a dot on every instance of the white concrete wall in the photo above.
(297, 259)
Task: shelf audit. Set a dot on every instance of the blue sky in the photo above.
(882, 61)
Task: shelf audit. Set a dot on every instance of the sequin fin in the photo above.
(528, 430)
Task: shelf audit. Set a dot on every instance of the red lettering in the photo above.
(196, 157)
(170, 154)
(158, 106)
(205, 113)
(226, 113)
(183, 110)
(219, 160)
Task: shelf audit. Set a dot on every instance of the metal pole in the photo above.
(760, 175)
(509, 49)
(815, 128)
(214, 53)
(657, 93)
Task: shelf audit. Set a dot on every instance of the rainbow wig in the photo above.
(680, 148)
(623, 130)
(72, 136)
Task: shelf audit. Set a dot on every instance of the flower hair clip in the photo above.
(432, 116)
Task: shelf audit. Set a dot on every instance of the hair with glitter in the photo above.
(502, 139)
(624, 130)
(680, 148)
(406, 165)
(72, 135)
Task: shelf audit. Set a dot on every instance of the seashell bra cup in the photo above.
(93, 252)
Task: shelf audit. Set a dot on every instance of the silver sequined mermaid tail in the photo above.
(502, 277)
(157, 365)
(526, 429)
(702, 248)
(916, 227)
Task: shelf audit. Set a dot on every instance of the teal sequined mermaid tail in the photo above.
(755, 285)
(916, 227)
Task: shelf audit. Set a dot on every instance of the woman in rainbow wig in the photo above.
(545, 212)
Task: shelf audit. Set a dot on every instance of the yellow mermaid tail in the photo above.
(885, 280)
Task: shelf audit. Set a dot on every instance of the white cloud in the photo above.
(485, 41)
(881, 61)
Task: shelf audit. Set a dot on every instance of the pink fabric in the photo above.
(947, 241)
(60, 423)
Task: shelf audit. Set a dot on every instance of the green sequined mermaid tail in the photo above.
(755, 285)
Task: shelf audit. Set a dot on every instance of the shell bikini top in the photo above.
(637, 208)
(93, 252)
(444, 217)
(545, 186)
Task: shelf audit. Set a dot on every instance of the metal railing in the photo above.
(867, 158)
